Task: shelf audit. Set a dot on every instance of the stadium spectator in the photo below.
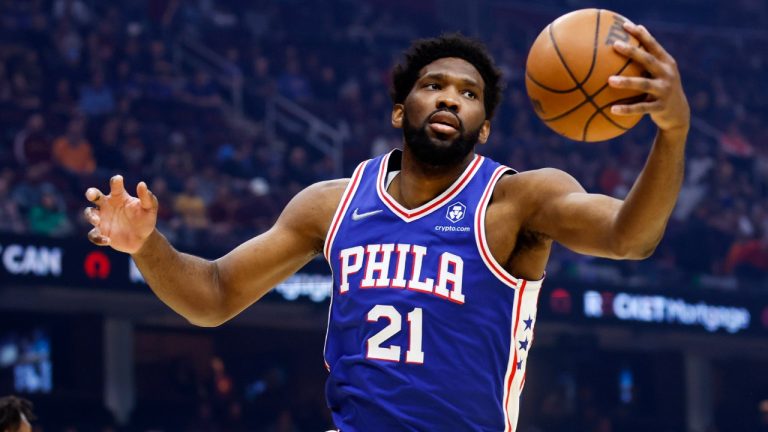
(15, 414)
(70, 46)
(96, 98)
(116, 62)
(191, 208)
(734, 143)
(763, 416)
(292, 83)
(748, 258)
(48, 217)
(201, 92)
(75, 10)
(11, 219)
(24, 95)
(72, 151)
(222, 214)
(5, 84)
(152, 126)
(126, 83)
(32, 146)
(62, 103)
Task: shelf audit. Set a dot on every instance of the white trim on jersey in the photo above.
(341, 210)
(526, 299)
(433, 204)
(509, 404)
(521, 341)
(481, 238)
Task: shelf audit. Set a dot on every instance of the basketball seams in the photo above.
(594, 115)
(594, 49)
(581, 104)
(565, 64)
(579, 85)
(591, 65)
(549, 89)
(545, 87)
(571, 74)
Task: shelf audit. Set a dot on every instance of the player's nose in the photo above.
(448, 101)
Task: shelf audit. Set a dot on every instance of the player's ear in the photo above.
(485, 132)
(397, 116)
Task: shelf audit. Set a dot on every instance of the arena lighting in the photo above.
(667, 310)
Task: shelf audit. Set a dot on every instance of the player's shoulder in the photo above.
(310, 212)
(329, 189)
(322, 197)
(315, 204)
(536, 184)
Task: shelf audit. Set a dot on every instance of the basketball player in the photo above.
(437, 253)
(15, 414)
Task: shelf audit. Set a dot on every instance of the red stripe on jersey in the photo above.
(480, 230)
(533, 336)
(446, 196)
(514, 347)
(346, 198)
(353, 184)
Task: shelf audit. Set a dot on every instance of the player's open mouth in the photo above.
(442, 129)
(444, 123)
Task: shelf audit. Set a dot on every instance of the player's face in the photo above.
(443, 116)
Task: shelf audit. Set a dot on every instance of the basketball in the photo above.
(567, 75)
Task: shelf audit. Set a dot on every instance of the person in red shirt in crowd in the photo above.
(72, 151)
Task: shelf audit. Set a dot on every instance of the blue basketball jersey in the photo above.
(426, 331)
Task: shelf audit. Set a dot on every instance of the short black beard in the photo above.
(427, 152)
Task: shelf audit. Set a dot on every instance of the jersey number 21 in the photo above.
(392, 352)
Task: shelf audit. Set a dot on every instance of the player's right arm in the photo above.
(208, 293)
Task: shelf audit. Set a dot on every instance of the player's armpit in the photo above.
(252, 269)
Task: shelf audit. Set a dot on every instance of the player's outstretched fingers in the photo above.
(97, 238)
(94, 195)
(92, 215)
(146, 197)
(116, 186)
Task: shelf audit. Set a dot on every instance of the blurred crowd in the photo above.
(92, 89)
(89, 89)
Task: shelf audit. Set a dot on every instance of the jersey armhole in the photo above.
(481, 238)
(341, 210)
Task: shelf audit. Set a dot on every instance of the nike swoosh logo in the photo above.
(357, 216)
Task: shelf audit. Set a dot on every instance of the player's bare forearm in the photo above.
(642, 217)
(209, 293)
(186, 283)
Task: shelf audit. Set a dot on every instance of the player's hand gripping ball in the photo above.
(567, 75)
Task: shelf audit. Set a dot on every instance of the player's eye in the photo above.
(432, 86)
(470, 94)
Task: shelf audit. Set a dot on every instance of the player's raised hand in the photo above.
(120, 220)
(666, 102)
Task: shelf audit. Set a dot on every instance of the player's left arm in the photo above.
(629, 229)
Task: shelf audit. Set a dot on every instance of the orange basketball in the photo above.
(567, 75)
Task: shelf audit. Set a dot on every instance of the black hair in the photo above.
(11, 409)
(424, 51)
